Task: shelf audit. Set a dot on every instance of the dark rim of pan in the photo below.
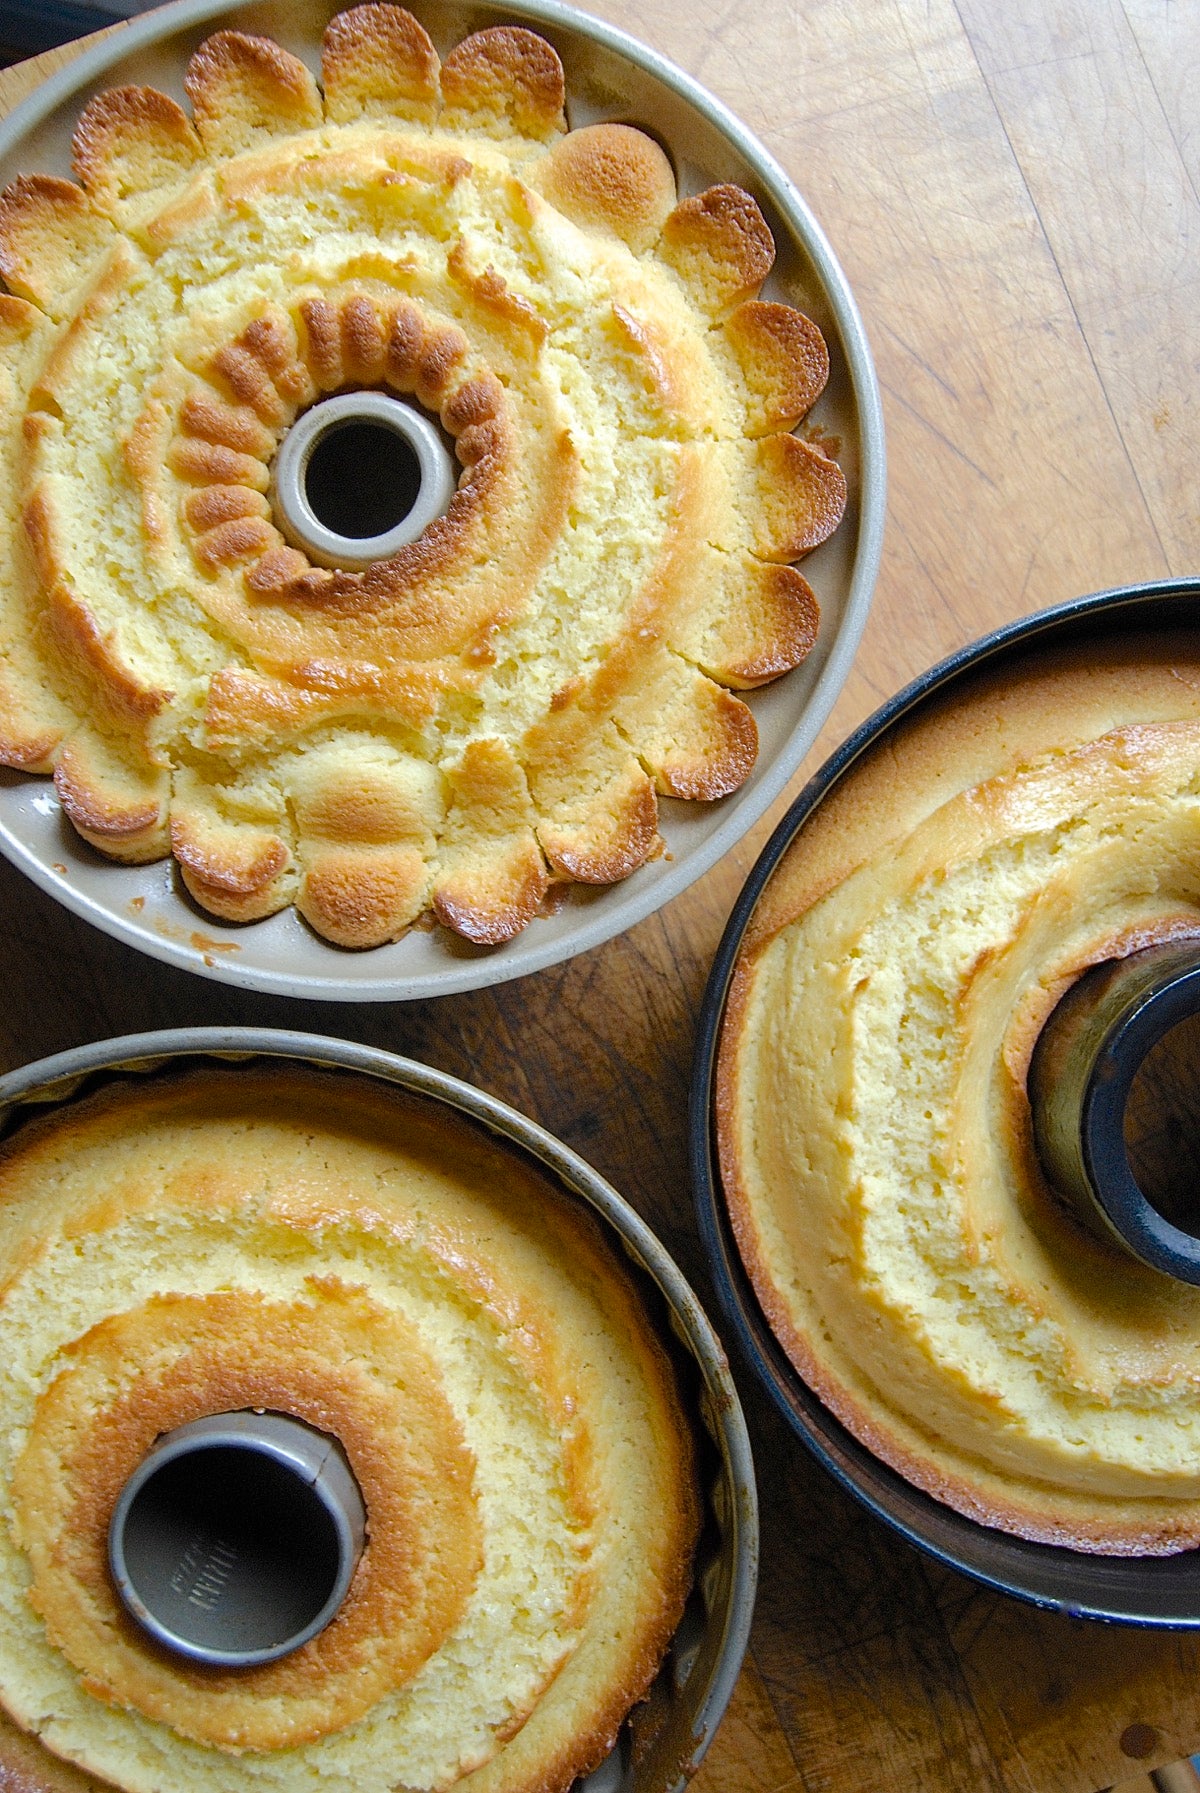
(1156, 1591)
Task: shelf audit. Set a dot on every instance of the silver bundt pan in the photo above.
(609, 76)
(663, 1741)
(1158, 1591)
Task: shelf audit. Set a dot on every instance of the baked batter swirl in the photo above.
(313, 1244)
(876, 1141)
(499, 705)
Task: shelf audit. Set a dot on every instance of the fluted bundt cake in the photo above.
(497, 706)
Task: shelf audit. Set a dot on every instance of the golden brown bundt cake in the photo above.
(498, 705)
(315, 1244)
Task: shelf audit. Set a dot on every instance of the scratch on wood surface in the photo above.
(922, 361)
(939, 435)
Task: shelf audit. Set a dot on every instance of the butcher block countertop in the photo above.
(1012, 190)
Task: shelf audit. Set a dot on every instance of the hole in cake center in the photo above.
(230, 1550)
(1161, 1126)
(359, 476)
(236, 1538)
(362, 478)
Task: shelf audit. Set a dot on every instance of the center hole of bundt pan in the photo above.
(358, 477)
(236, 1538)
(1161, 1126)
(1114, 1088)
(362, 478)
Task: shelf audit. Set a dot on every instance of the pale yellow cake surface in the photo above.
(498, 706)
(316, 1244)
(875, 1130)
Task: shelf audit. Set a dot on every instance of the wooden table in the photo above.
(1013, 191)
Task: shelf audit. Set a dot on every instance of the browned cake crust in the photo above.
(499, 705)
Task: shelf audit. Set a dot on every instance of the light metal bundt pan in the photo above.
(1151, 1591)
(662, 1743)
(609, 76)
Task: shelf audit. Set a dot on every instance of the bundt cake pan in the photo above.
(1153, 1591)
(698, 1676)
(609, 76)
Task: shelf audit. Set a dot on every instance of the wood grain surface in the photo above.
(1013, 191)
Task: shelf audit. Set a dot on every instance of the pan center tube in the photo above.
(236, 1538)
(358, 477)
(1114, 1088)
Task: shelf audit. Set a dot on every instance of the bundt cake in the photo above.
(495, 707)
(875, 1131)
(316, 1244)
